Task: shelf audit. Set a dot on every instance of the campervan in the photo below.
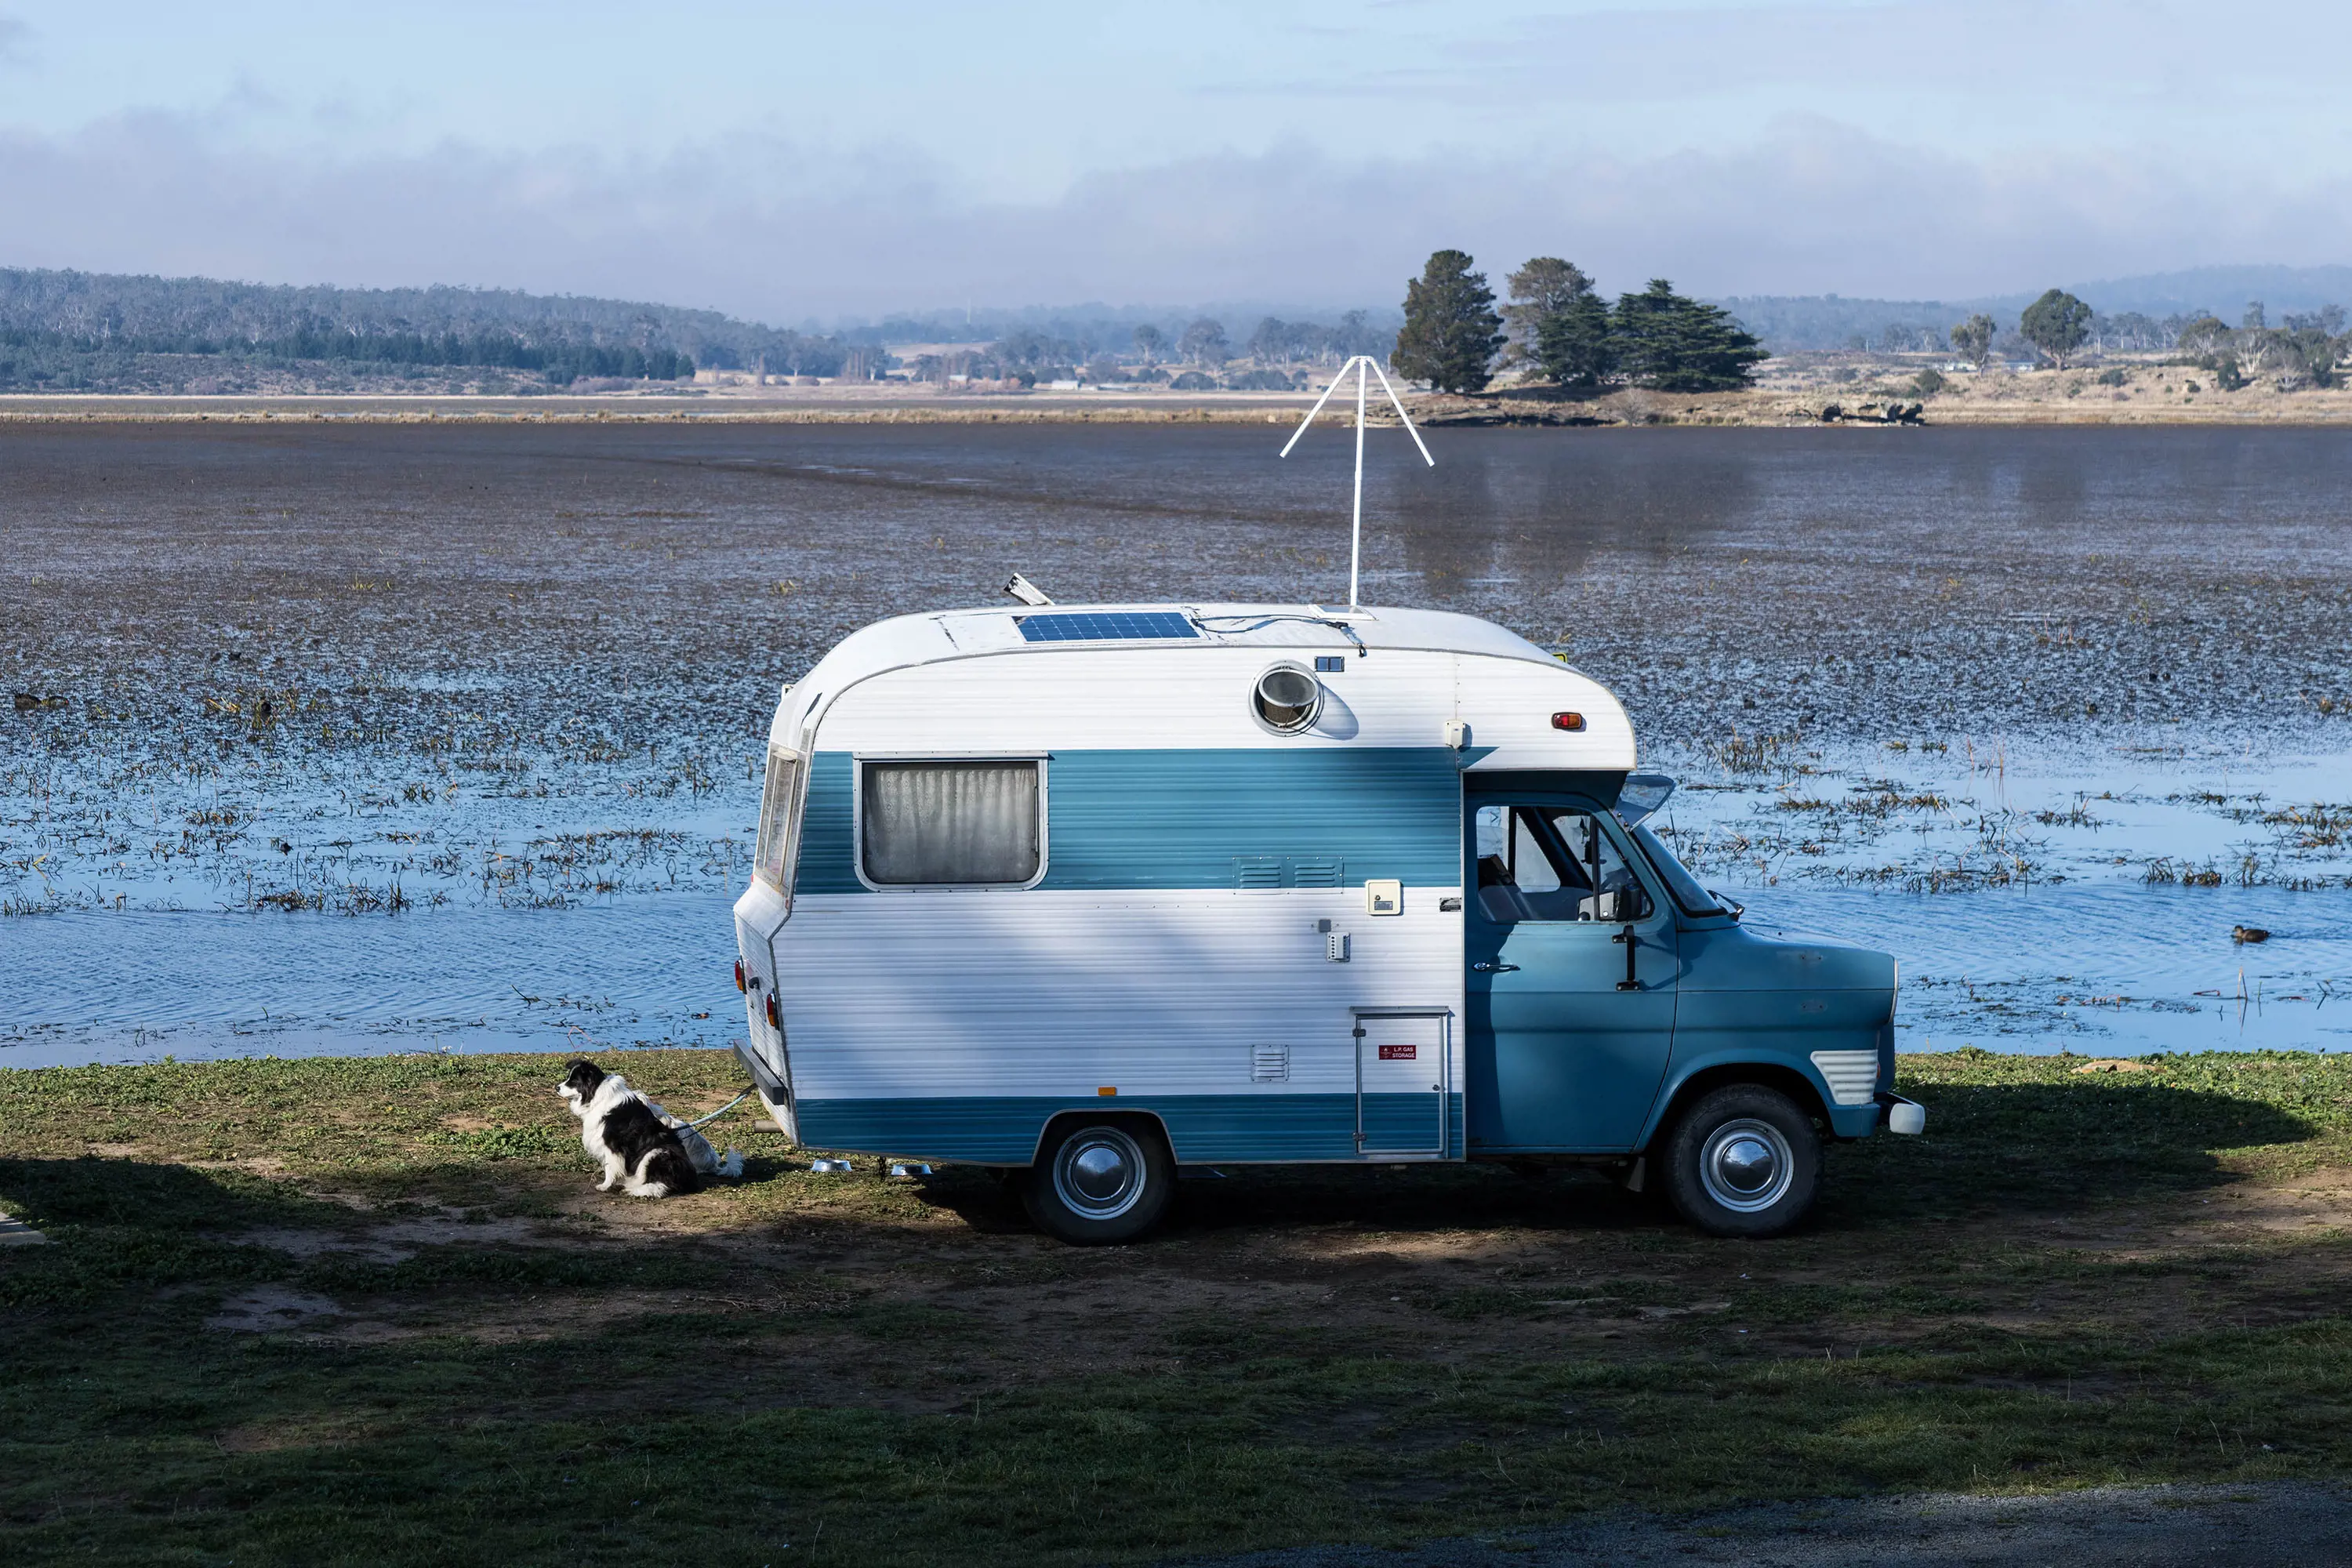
(1095, 894)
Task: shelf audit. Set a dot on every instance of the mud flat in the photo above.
(1874, 396)
(828, 407)
(445, 735)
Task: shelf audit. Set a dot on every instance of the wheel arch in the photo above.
(1130, 1117)
(1705, 1077)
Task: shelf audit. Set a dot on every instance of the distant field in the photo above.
(343, 1311)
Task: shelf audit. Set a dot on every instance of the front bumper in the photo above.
(1896, 1114)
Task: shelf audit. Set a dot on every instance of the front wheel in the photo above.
(1743, 1161)
(1100, 1182)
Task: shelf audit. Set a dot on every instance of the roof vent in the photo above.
(1286, 698)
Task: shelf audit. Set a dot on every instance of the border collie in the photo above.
(651, 1154)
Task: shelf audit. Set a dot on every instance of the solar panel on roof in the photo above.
(1107, 625)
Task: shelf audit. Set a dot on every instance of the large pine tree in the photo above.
(1677, 344)
(1450, 329)
(1543, 289)
(1575, 346)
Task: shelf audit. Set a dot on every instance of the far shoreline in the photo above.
(2045, 399)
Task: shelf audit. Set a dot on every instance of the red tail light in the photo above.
(1568, 720)
(775, 1019)
(742, 982)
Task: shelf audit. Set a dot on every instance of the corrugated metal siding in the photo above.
(1005, 1130)
(955, 994)
(1177, 818)
(1403, 1123)
(828, 827)
(1182, 818)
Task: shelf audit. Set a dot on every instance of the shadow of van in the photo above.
(2075, 1145)
(127, 1223)
(140, 1194)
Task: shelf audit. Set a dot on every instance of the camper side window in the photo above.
(952, 823)
(778, 820)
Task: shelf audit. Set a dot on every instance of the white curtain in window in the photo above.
(951, 823)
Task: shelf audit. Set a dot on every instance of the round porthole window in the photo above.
(1286, 698)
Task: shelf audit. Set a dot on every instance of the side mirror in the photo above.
(1622, 904)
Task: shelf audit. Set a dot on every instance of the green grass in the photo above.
(2072, 1280)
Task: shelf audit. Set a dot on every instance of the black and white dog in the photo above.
(651, 1154)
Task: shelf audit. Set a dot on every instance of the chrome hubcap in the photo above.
(1747, 1165)
(1098, 1174)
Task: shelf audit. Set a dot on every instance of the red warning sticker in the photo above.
(1396, 1053)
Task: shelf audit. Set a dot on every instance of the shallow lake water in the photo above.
(386, 737)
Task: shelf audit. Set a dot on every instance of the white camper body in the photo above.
(1250, 931)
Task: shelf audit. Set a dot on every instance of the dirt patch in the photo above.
(2298, 1205)
(296, 1436)
(271, 1309)
(503, 1320)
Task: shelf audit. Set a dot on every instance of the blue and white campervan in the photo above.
(1092, 892)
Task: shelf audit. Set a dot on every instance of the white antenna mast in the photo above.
(1365, 368)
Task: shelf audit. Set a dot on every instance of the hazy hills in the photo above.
(111, 332)
(1830, 321)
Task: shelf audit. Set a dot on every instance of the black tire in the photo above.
(1743, 1161)
(1100, 1181)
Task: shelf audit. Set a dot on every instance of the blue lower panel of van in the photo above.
(1204, 1128)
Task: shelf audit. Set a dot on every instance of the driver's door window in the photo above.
(1552, 863)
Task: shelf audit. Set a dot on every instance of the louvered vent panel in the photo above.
(1253, 871)
(1852, 1075)
(1270, 1064)
(1317, 872)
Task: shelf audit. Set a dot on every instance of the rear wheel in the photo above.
(1099, 1182)
(1743, 1161)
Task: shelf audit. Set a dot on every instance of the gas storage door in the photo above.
(1401, 1083)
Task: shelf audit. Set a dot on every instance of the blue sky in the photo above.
(789, 162)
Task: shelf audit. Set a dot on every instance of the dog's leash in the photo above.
(723, 1109)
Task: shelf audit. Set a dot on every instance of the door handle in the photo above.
(1485, 967)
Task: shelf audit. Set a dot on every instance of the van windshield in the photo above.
(1694, 898)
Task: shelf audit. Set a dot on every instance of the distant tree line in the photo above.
(1557, 328)
(105, 331)
(1193, 355)
(560, 363)
(2307, 349)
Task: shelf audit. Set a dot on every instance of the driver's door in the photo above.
(1565, 1054)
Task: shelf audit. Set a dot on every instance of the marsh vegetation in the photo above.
(365, 738)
